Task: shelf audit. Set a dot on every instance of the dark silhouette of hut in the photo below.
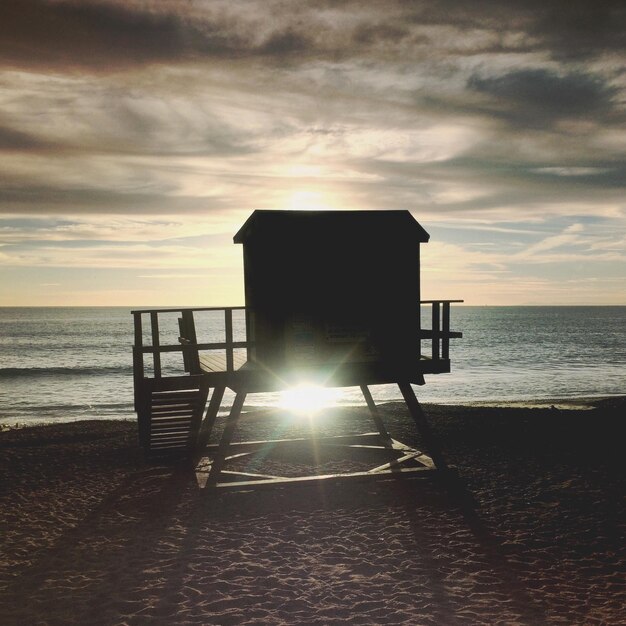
(327, 290)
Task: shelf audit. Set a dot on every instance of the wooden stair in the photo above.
(170, 414)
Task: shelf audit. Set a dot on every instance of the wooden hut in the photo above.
(333, 289)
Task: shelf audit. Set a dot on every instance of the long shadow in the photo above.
(141, 504)
(456, 496)
(418, 500)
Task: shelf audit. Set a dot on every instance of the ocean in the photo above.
(63, 364)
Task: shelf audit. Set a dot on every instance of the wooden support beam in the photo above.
(227, 435)
(209, 419)
(228, 323)
(251, 475)
(422, 424)
(408, 472)
(422, 458)
(371, 405)
(313, 439)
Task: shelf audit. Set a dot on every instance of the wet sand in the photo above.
(533, 533)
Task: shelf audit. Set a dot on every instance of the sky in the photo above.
(136, 136)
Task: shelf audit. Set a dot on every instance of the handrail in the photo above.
(439, 335)
(190, 308)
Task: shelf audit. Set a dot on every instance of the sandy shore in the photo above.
(90, 534)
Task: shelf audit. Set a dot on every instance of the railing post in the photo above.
(228, 323)
(191, 357)
(445, 341)
(156, 355)
(137, 357)
(435, 329)
(419, 336)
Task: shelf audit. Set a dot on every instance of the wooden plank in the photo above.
(172, 428)
(412, 472)
(177, 408)
(212, 362)
(172, 397)
(156, 356)
(171, 422)
(239, 455)
(173, 419)
(169, 440)
(398, 445)
(204, 308)
(178, 384)
(242, 445)
(188, 397)
(250, 475)
(219, 362)
(172, 415)
(169, 436)
(418, 456)
(166, 438)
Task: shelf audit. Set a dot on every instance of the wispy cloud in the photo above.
(141, 134)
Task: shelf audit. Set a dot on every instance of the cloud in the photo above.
(571, 235)
(130, 123)
(99, 35)
(582, 29)
(539, 97)
(109, 35)
(15, 140)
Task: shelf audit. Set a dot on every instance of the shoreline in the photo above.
(563, 404)
(534, 534)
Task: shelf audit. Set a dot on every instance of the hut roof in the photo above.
(385, 225)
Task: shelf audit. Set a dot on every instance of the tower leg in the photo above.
(376, 415)
(423, 426)
(227, 436)
(209, 419)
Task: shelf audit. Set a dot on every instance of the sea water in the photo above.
(76, 363)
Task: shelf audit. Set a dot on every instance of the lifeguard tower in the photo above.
(332, 298)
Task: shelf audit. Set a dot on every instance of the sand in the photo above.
(532, 534)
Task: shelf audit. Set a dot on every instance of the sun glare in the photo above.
(307, 399)
(307, 201)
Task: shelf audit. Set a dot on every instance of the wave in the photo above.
(20, 372)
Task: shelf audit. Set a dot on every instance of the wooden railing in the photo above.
(439, 335)
(187, 340)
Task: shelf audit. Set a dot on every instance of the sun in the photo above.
(307, 399)
(308, 201)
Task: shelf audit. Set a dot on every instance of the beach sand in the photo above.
(532, 534)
